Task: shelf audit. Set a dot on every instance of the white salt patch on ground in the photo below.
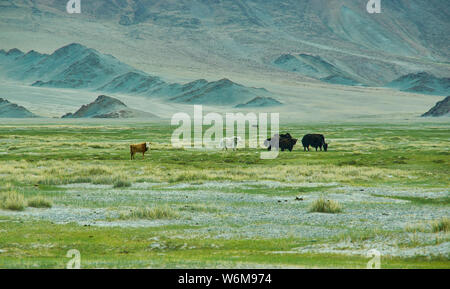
(417, 193)
(385, 246)
(85, 186)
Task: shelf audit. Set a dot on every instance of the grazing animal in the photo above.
(139, 148)
(229, 143)
(282, 141)
(314, 140)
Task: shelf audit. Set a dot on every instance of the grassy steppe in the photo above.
(188, 208)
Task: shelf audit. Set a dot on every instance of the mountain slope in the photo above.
(315, 67)
(12, 110)
(442, 108)
(71, 66)
(221, 92)
(260, 102)
(243, 37)
(108, 107)
(422, 82)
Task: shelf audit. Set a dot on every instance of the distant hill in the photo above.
(315, 67)
(221, 92)
(108, 107)
(422, 82)
(71, 66)
(12, 110)
(442, 108)
(260, 102)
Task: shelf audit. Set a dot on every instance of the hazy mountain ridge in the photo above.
(442, 108)
(314, 66)
(76, 66)
(422, 82)
(12, 110)
(260, 102)
(108, 107)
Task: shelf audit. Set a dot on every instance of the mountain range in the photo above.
(311, 56)
(409, 36)
(78, 67)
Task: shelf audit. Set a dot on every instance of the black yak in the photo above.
(314, 140)
(282, 141)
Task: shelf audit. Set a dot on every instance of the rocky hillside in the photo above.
(71, 66)
(12, 110)
(442, 108)
(316, 67)
(260, 102)
(108, 107)
(409, 35)
(422, 83)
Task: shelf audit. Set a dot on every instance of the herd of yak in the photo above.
(278, 141)
(287, 142)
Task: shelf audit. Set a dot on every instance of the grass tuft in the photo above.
(155, 213)
(325, 206)
(39, 202)
(122, 184)
(436, 226)
(442, 225)
(12, 201)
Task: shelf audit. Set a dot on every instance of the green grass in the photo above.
(39, 158)
(322, 205)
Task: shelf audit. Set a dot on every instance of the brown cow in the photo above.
(139, 148)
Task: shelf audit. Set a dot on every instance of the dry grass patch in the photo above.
(322, 205)
(146, 213)
(12, 201)
(442, 225)
(436, 226)
(39, 202)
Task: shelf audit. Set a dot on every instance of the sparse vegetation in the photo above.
(436, 226)
(12, 201)
(39, 202)
(322, 205)
(156, 213)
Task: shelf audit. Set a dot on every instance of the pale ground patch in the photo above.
(209, 211)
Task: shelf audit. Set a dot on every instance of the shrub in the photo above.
(12, 201)
(442, 225)
(39, 202)
(325, 206)
(122, 184)
(150, 213)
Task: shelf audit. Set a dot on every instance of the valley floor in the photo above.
(221, 209)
